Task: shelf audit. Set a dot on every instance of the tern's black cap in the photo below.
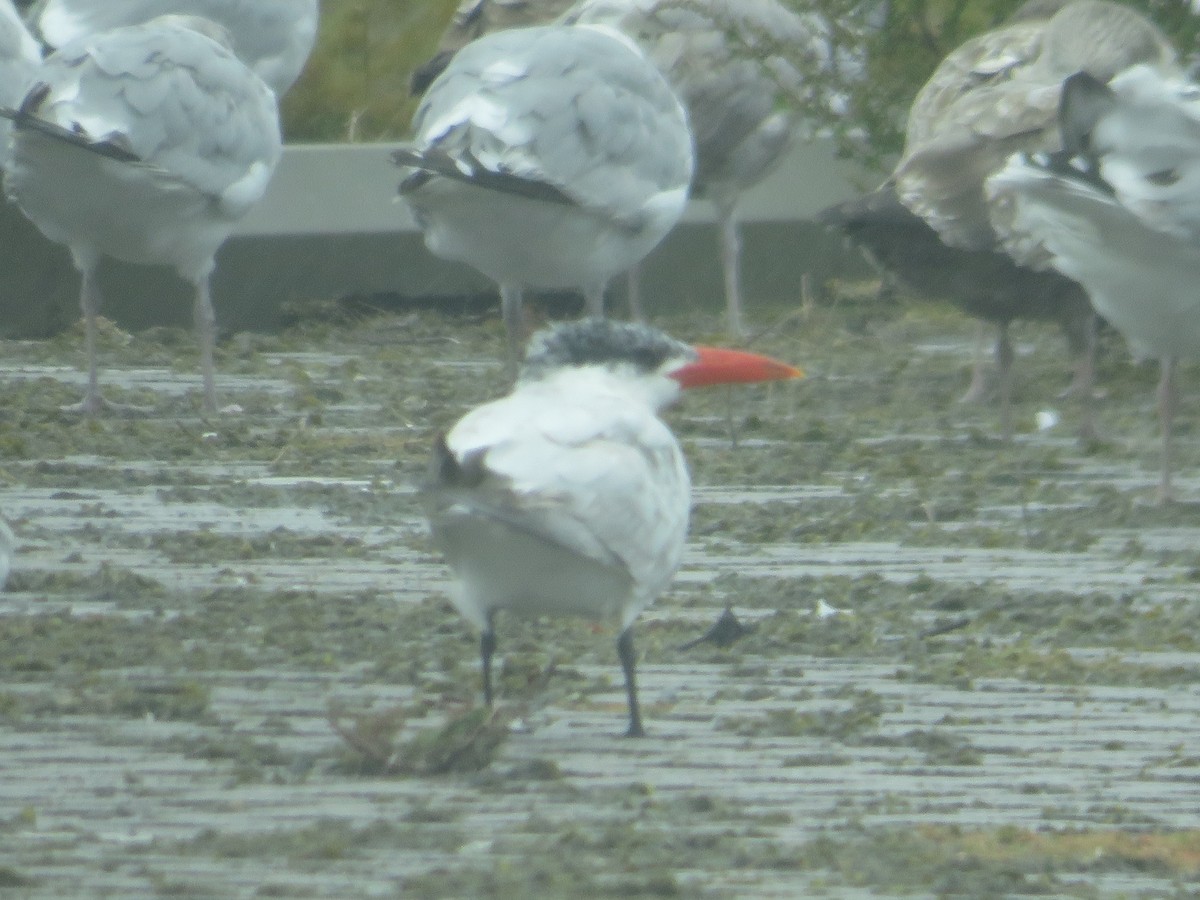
(596, 341)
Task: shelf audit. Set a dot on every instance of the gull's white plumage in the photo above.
(1142, 280)
(1121, 220)
(548, 157)
(273, 37)
(1145, 141)
(146, 144)
(20, 55)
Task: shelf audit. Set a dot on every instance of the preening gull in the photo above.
(145, 143)
(1120, 216)
(548, 157)
(997, 94)
(744, 70)
(273, 37)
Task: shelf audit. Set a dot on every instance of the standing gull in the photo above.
(570, 496)
(146, 143)
(273, 37)
(548, 157)
(995, 95)
(1119, 212)
(744, 70)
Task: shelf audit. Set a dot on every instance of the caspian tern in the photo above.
(1123, 216)
(997, 94)
(570, 496)
(147, 144)
(272, 37)
(548, 157)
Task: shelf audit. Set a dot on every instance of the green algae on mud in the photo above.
(232, 633)
(1005, 861)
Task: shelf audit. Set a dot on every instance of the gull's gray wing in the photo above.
(577, 108)
(1142, 132)
(172, 99)
(742, 71)
(20, 55)
(475, 18)
(273, 37)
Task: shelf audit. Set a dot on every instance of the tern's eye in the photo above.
(1163, 177)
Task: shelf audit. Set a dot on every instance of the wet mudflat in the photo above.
(228, 668)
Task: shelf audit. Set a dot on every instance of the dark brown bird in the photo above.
(986, 284)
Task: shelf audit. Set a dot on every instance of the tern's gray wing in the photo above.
(579, 109)
(603, 478)
(273, 37)
(173, 99)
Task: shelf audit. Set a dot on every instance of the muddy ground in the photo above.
(228, 668)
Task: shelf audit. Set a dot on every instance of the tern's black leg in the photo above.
(628, 659)
(487, 646)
